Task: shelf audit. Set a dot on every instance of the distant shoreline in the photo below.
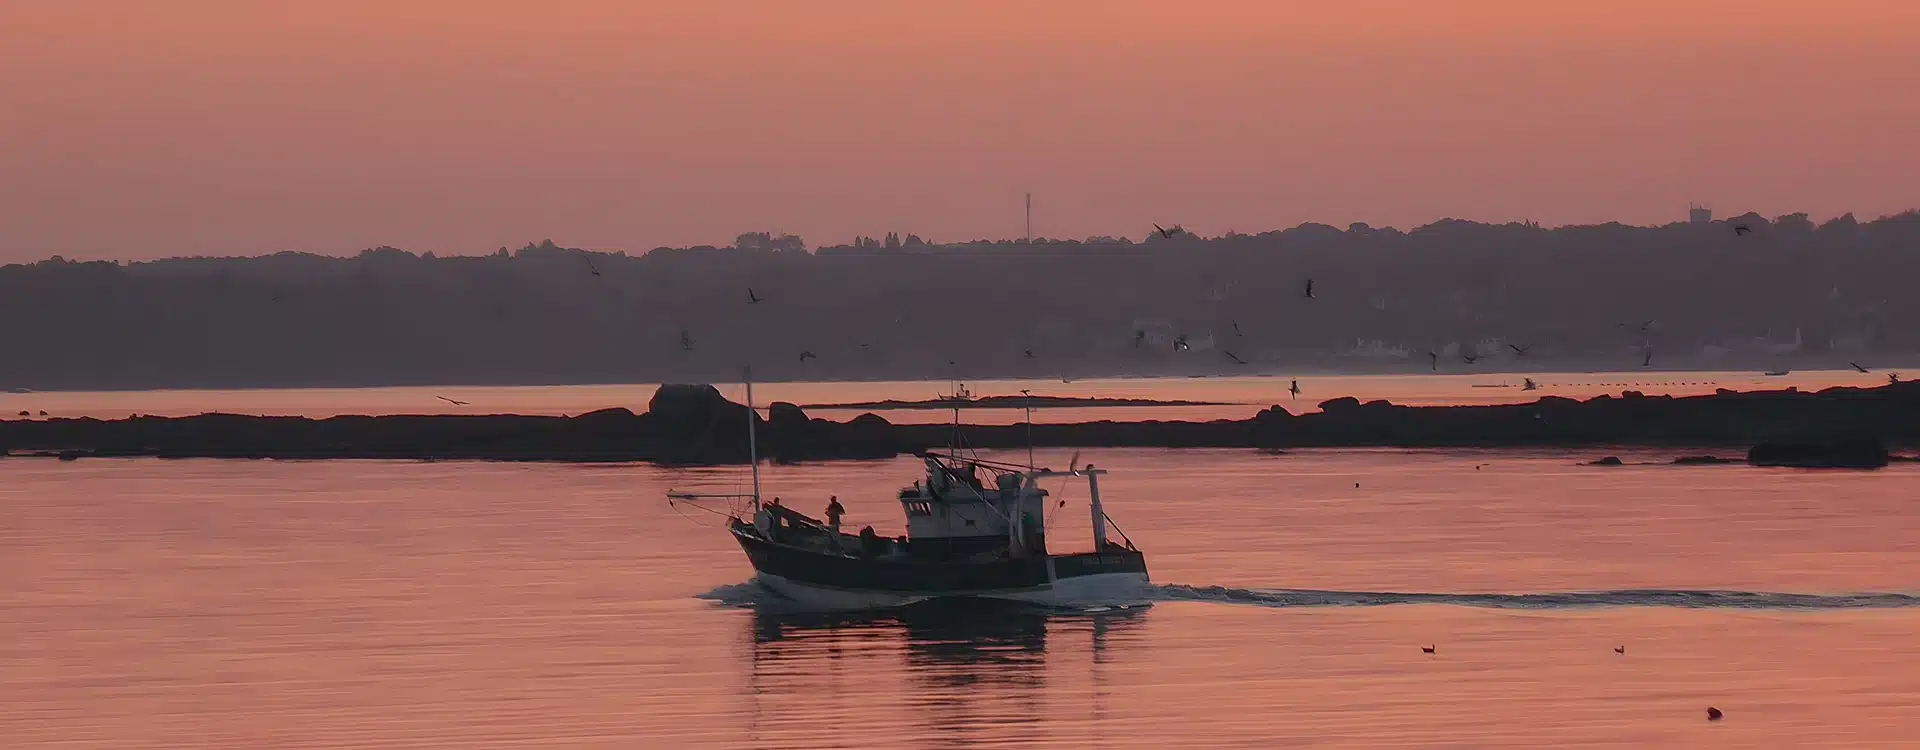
(1008, 402)
(1301, 371)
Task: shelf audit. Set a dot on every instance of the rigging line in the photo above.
(1062, 503)
(690, 519)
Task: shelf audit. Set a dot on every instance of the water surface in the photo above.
(279, 604)
(1238, 397)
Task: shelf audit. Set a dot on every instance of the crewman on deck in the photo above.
(834, 512)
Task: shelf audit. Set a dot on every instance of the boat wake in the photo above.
(1755, 600)
(762, 600)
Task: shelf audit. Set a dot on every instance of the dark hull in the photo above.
(910, 578)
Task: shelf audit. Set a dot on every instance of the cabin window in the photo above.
(919, 509)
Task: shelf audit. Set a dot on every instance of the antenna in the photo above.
(1029, 217)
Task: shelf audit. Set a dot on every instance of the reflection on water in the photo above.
(978, 669)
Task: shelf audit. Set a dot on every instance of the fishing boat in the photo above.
(974, 528)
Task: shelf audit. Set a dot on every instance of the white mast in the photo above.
(753, 446)
(1099, 514)
(1028, 403)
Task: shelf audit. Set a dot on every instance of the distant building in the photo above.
(1699, 215)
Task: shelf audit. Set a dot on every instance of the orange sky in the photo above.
(138, 129)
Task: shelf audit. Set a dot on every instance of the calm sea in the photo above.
(360, 604)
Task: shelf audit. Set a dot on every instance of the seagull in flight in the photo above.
(1741, 230)
(1139, 337)
(808, 354)
(1648, 362)
(1892, 378)
(686, 340)
(1518, 349)
(451, 401)
(1472, 358)
(1235, 357)
(1433, 361)
(595, 270)
(1310, 289)
(1236, 328)
(1028, 354)
(753, 299)
(1180, 344)
(1295, 389)
(1858, 368)
(1163, 232)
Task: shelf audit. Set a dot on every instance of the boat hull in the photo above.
(1116, 576)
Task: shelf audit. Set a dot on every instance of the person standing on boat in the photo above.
(834, 512)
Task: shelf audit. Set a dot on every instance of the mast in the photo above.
(1099, 514)
(1028, 403)
(753, 446)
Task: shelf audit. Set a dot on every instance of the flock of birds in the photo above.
(1181, 343)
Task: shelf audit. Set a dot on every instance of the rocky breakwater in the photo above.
(694, 424)
(683, 424)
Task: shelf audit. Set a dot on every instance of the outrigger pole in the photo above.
(753, 452)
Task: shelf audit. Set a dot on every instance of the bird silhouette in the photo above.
(1028, 354)
(686, 340)
(808, 354)
(1310, 289)
(1471, 358)
(595, 270)
(1622, 650)
(1648, 362)
(451, 401)
(1180, 343)
(1713, 714)
(1163, 232)
(1857, 367)
(1295, 389)
(1892, 378)
(1427, 649)
(753, 299)
(1433, 361)
(1139, 337)
(1235, 357)
(1741, 230)
(1518, 349)
(1236, 328)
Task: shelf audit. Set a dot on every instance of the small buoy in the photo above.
(1356, 485)
(1713, 714)
(1620, 650)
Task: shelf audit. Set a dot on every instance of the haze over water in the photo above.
(250, 604)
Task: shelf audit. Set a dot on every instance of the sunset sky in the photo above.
(143, 129)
